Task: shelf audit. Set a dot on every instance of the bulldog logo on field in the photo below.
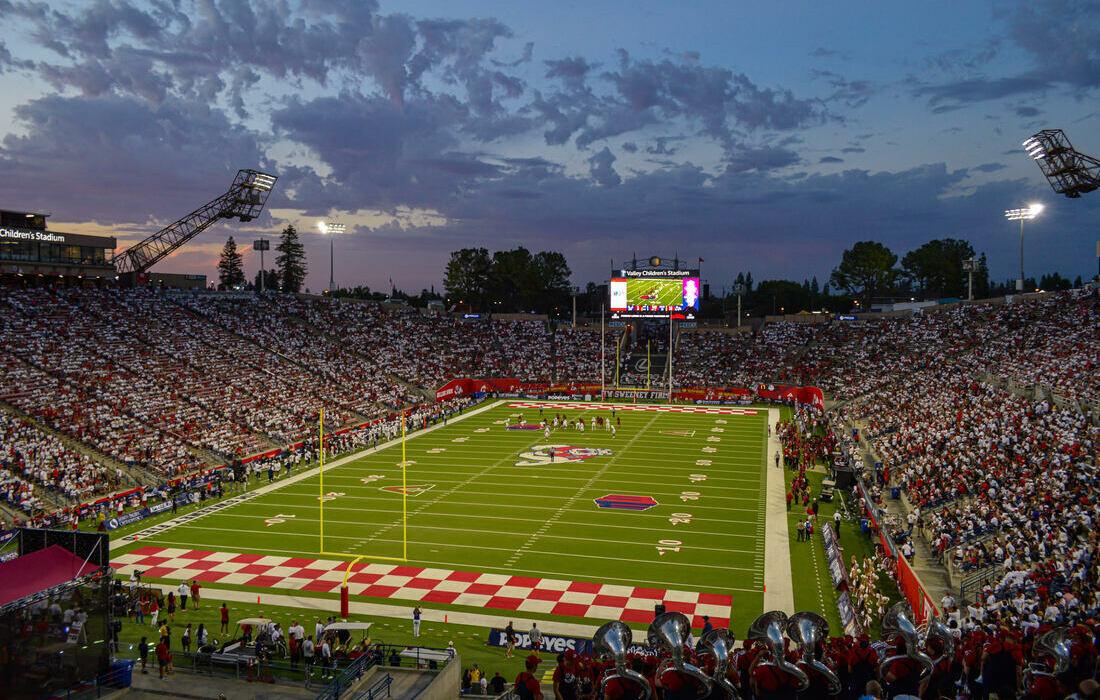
(541, 454)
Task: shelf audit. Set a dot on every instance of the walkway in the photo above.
(778, 586)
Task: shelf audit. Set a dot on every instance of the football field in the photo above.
(586, 526)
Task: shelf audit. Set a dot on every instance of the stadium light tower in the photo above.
(1068, 171)
(1023, 215)
(331, 228)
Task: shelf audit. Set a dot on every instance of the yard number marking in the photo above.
(668, 546)
(680, 519)
(689, 496)
(697, 477)
(703, 462)
(717, 430)
(714, 438)
(278, 519)
(330, 496)
(481, 430)
(437, 450)
(710, 450)
(371, 478)
(720, 421)
(460, 439)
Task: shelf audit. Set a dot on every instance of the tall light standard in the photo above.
(1022, 215)
(331, 228)
(261, 244)
(969, 265)
(738, 289)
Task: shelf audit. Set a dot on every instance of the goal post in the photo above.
(323, 496)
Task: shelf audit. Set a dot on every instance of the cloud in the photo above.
(831, 159)
(116, 158)
(989, 167)
(601, 168)
(1061, 38)
(1028, 112)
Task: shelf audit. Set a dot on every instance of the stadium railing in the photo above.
(349, 677)
(380, 688)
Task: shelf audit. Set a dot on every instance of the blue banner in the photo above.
(551, 643)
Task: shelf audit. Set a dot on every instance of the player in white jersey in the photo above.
(580, 425)
(613, 431)
(593, 422)
(546, 432)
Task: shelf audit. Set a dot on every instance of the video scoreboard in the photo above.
(655, 294)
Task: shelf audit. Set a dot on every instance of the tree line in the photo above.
(518, 280)
(288, 275)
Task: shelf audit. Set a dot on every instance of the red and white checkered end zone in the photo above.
(587, 406)
(412, 583)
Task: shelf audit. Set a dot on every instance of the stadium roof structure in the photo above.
(39, 571)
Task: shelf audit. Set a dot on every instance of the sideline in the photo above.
(778, 586)
(161, 528)
(332, 604)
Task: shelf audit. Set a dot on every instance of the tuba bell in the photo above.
(938, 630)
(670, 631)
(614, 639)
(807, 629)
(1055, 645)
(897, 623)
(719, 644)
(768, 628)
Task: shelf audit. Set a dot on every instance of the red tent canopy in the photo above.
(37, 571)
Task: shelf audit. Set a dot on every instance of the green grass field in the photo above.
(475, 509)
(655, 292)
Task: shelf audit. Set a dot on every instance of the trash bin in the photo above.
(121, 674)
(895, 492)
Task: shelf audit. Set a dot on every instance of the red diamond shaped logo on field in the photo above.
(618, 501)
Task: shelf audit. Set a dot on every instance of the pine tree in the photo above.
(230, 267)
(291, 261)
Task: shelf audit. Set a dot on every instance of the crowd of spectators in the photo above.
(31, 459)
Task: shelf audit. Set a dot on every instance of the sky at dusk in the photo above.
(762, 137)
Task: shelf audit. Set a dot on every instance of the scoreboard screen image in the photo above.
(655, 296)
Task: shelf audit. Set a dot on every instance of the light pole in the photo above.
(738, 289)
(1022, 215)
(970, 264)
(261, 244)
(330, 228)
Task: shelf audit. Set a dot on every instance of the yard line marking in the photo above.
(483, 547)
(264, 490)
(587, 486)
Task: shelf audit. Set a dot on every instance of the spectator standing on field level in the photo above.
(536, 639)
(185, 590)
(416, 621)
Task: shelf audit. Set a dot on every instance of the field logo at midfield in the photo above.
(618, 501)
(540, 454)
(410, 490)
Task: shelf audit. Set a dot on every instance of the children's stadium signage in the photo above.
(16, 234)
(9, 233)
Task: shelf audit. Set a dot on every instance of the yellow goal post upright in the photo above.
(322, 497)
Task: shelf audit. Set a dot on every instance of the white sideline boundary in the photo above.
(778, 586)
(167, 525)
